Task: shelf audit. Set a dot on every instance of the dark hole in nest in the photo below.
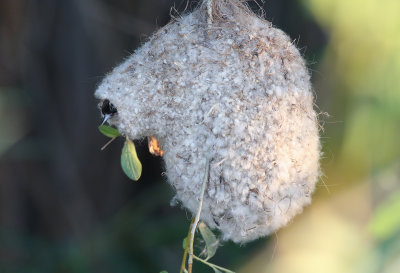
(107, 108)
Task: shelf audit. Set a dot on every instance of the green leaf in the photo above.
(385, 221)
(216, 270)
(184, 243)
(130, 162)
(164, 271)
(109, 131)
(210, 240)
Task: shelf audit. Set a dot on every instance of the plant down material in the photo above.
(235, 91)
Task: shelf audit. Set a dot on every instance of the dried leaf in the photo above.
(154, 146)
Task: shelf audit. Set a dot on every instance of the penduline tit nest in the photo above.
(226, 86)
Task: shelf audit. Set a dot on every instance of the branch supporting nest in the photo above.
(197, 218)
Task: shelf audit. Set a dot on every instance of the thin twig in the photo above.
(108, 143)
(197, 218)
(187, 4)
(209, 12)
(213, 265)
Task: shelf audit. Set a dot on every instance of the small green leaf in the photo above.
(184, 243)
(108, 131)
(130, 162)
(210, 240)
(216, 270)
(164, 271)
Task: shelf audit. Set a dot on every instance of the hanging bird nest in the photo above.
(229, 87)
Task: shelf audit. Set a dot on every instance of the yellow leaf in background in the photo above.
(386, 219)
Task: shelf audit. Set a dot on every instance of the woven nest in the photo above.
(233, 89)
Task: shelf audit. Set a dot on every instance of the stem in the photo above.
(196, 220)
(108, 143)
(213, 265)
(209, 12)
(183, 265)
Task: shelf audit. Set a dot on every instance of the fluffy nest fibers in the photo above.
(229, 87)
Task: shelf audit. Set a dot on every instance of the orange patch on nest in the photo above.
(154, 146)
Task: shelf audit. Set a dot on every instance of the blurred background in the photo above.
(66, 206)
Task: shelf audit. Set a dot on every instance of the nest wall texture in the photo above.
(236, 91)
